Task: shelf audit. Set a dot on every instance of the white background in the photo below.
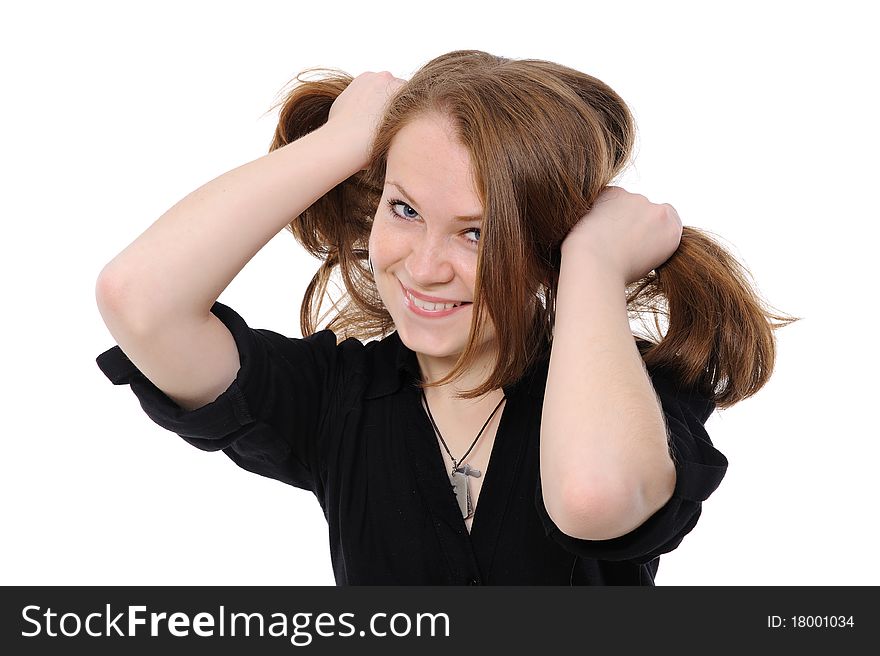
(758, 121)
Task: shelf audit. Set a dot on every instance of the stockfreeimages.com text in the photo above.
(203, 624)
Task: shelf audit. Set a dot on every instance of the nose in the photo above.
(428, 262)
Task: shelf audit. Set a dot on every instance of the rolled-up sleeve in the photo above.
(270, 419)
(699, 468)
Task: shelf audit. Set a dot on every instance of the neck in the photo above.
(434, 368)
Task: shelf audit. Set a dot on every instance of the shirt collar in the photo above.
(394, 364)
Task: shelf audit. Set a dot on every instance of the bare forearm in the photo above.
(605, 464)
(181, 264)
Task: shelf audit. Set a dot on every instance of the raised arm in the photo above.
(605, 458)
(156, 295)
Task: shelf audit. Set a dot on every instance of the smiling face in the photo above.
(421, 241)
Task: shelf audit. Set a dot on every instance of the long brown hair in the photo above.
(544, 141)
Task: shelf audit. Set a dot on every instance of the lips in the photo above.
(430, 299)
(431, 314)
(418, 306)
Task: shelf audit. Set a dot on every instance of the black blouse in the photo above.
(346, 422)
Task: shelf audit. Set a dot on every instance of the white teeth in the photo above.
(430, 307)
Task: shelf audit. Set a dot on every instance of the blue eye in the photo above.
(394, 202)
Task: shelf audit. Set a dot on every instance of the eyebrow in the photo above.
(409, 197)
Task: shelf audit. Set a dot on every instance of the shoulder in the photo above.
(372, 367)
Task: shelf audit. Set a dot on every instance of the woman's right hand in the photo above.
(359, 108)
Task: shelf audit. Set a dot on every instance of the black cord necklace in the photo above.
(459, 475)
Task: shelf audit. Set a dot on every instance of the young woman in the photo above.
(505, 426)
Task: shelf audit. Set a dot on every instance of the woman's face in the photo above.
(423, 243)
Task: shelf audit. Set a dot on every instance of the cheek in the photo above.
(387, 246)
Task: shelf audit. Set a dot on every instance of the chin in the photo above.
(431, 343)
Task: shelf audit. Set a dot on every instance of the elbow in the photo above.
(121, 303)
(107, 289)
(594, 513)
(113, 290)
(110, 292)
(605, 513)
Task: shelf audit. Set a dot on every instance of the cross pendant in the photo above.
(459, 479)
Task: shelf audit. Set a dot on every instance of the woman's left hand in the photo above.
(626, 233)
